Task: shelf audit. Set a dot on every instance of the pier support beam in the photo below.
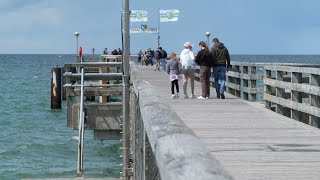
(56, 88)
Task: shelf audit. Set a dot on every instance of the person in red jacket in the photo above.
(80, 54)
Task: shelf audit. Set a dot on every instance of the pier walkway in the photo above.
(249, 140)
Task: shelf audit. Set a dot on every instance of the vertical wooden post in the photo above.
(245, 82)
(237, 81)
(314, 80)
(267, 88)
(279, 92)
(56, 88)
(253, 84)
(295, 95)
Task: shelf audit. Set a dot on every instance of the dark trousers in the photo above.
(174, 82)
(205, 74)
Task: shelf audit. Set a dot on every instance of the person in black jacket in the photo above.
(221, 66)
(205, 60)
(157, 56)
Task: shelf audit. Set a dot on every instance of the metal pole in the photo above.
(81, 129)
(77, 46)
(126, 97)
(158, 27)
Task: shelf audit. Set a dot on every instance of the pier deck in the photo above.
(250, 141)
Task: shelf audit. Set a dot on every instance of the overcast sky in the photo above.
(245, 26)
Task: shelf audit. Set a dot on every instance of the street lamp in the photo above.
(77, 36)
(208, 35)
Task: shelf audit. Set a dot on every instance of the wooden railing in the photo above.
(162, 146)
(245, 79)
(294, 92)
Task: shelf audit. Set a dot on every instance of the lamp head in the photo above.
(76, 34)
(208, 34)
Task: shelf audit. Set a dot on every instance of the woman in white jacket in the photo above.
(188, 67)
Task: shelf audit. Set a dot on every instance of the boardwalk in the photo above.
(250, 141)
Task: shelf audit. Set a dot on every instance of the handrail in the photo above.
(179, 153)
(294, 92)
(81, 128)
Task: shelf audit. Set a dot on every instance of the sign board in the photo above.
(144, 29)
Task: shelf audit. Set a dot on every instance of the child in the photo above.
(173, 69)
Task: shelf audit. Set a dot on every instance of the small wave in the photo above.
(75, 138)
(35, 77)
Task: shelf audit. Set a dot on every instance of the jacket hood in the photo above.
(220, 46)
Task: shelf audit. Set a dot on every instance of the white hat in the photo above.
(187, 44)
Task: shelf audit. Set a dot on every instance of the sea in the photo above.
(35, 142)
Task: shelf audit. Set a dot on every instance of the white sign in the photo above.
(141, 30)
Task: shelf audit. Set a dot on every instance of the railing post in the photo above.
(237, 81)
(253, 83)
(267, 88)
(296, 95)
(279, 92)
(314, 80)
(245, 82)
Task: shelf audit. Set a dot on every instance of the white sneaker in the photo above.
(173, 96)
(207, 97)
(177, 95)
(192, 96)
(201, 97)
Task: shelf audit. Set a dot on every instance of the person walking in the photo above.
(188, 67)
(157, 56)
(173, 69)
(164, 56)
(140, 54)
(220, 66)
(205, 60)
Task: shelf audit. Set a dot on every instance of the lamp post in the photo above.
(77, 36)
(208, 35)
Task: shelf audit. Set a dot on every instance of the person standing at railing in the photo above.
(221, 66)
(205, 60)
(188, 67)
(173, 69)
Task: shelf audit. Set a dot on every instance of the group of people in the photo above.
(114, 52)
(217, 59)
(150, 57)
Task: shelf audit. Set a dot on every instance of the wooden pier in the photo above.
(250, 141)
(266, 128)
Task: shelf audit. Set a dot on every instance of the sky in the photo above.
(244, 26)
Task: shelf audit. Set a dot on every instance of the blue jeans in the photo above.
(219, 73)
(163, 64)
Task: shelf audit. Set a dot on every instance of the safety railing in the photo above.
(294, 91)
(245, 79)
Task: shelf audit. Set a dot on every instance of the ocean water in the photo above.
(35, 142)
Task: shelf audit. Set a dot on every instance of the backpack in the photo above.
(158, 55)
(164, 54)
